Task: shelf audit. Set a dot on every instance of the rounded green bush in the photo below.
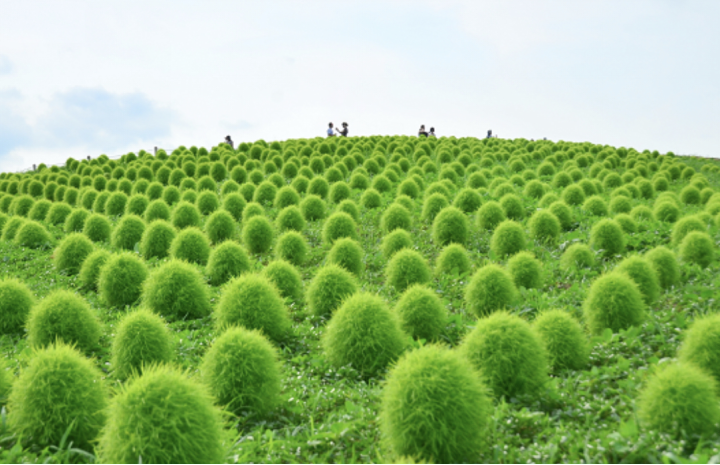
(207, 202)
(66, 317)
(253, 301)
(339, 191)
(607, 237)
(434, 407)
(697, 247)
(491, 288)
(405, 268)
(290, 219)
(72, 252)
(513, 206)
(220, 226)
(163, 416)
(243, 371)
(58, 213)
(679, 398)
(177, 291)
(563, 337)
(614, 301)
(421, 313)
(121, 279)
(265, 193)
(348, 254)
(544, 227)
(526, 270)
(452, 261)
(467, 200)
(137, 204)
(226, 261)
(685, 225)
(97, 228)
(432, 205)
(186, 215)
(234, 204)
(626, 222)
(370, 198)
(252, 209)
(451, 226)
(394, 217)
(318, 186)
(350, 207)
(291, 246)
(666, 211)
(258, 234)
(363, 333)
(573, 195)
(39, 210)
(339, 225)
(577, 256)
(330, 286)
(595, 205)
(191, 245)
(90, 269)
(701, 345)
(507, 239)
(157, 239)
(142, 339)
(643, 273)
(397, 240)
(509, 353)
(563, 213)
(620, 204)
(16, 300)
(75, 222)
(21, 205)
(128, 232)
(32, 234)
(59, 392)
(11, 227)
(490, 215)
(115, 204)
(312, 207)
(690, 195)
(666, 266)
(286, 278)
(285, 197)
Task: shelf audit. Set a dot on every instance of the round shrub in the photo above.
(220, 227)
(290, 219)
(142, 339)
(330, 286)
(666, 266)
(11, 227)
(573, 195)
(595, 206)
(490, 215)
(226, 261)
(467, 200)
(318, 186)
(252, 209)
(370, 198)
(65, 317)
(58, 213)
(690, 195)
(679, 398)
(339, 225)
(421, 313)
(157, 239)
(71, 253)
(16, 300)
(685, 225)
(313, 208)
(577, 256)
(513, 206)
(491, 288)
(509, 354)
(544, 227)
(644, 275)
(614, 301)
(176, 290)
(75, 222)
(347, 254)
(363, 333)
(59, 388)
(186, 215)
(265, 193)
(508, 239)
(350, 207)
(258, 234)
(405, 268)
(115, 204)
(526, 270)
(563, 337)
(608, 237)
(451, 225)
(243, 371)
(397, 240)
(394, 217)
(434, 407)
(128, 232)
(432, 205)
(32, 234)
(563, 213)
(626, 222)
(701, 345)
(163, 416)
(121, 279)
(207, 202)
(339, 191)
(21, 205)
(137, 204)
(253, 301)
(90, 269)
(39, 210)
(666, 211)
(453, 260)
(191, 245)
(286, 278)
(234, 204)
(291, 246)
(697, 247)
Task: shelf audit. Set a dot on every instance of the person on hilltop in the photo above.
(422, 131)
(330, 132)
(489, 135)
(344, 131)
(229, 142)
(432, 133)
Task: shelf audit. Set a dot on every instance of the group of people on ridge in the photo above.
(343, 132)
(423, 133)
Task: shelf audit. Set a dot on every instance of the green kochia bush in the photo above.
(701, 345)
(191, 245)
(679, 398)
(291, 246)
(643, 273)
(364, 333)
(58, 213)
(526, 270)
(220, 226)
(395, 241)
(434, 407)
(75, 222)
(185, 215)
(97, 228)
(59, 388)
(290, 219)
(686, 225)
(432, 205)
(596, 206)
(467, 200)
(157, 239)
(121, 279)
(453, 260)
(330, 286)
(72, 252)
(32, 234)
(405, 268)
(509, 353)
(348, 254)
(339, 225)
(312, 207)
(63, 316)
(226, 261)
(491, 288)
(253, 301)
(176, 290)
(490, 215)
(257, 234)
(142, 339)
(577, 256)
(451, 225)
(508, 239)
(666, 266)
(421, 313)
(128, 232)
(16, 300)
(90, 269)
(607, 236)
(286, 278)
(697, 247)
(544, 227)
(243, 371)
(162, 417)
(566, 344)
(394, 217)
(11, 227)
(614, 301)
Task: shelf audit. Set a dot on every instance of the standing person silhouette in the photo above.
(422, 131)
(432, 132)
(489, 135)
(229, 142)
(330, 132)
(344, 131)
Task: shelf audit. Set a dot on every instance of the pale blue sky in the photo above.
(79, 78)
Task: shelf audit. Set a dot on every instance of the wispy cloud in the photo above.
(6, 66)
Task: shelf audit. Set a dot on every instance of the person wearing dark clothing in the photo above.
(432, 133)
(422, 131)
(330, 132)
(344, 131)
(489, 133)
(229, 142)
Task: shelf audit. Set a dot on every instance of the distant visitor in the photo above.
(489, 134)
(344, 131)
(330, 132)
(422, 132)
(229, 142)
(432, 133)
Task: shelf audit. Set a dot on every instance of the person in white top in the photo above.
(330, 132)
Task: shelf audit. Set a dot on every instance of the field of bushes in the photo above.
(364, 299)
